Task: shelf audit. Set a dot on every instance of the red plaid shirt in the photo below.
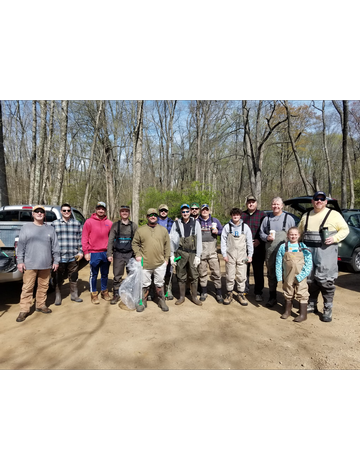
(253, 221)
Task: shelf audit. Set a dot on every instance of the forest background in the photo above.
(143, 153)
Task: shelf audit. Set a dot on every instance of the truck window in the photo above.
(78, 216)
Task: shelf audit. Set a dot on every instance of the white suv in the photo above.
(12, 218)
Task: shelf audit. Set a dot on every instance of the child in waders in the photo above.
(294, 259)
(237, 249)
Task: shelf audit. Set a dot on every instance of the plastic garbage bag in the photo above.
(6, 262)
(130, 290)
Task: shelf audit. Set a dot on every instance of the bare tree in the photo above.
(45, 179)
(344, 118)
(62, 153)
(33, 154)
(39, 166)
(137, 157)
(4, 195)
(325, 147)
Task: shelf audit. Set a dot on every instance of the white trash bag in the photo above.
(131, 288)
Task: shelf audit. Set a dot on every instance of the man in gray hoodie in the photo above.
(38, 252)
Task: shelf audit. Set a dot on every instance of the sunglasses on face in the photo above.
(39, 211)
(319, 198)
(164, 210)
(185, 211)
(152, 215)
(195, 208)
(66, 210)
(205, 209)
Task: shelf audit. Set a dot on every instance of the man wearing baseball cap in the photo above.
(167, 223)
(253, 218)
(322, 229)
(119, 249)
(152, 243)
(195, 211)
(95, 237)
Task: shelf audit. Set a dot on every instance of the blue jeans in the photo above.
(98, 260)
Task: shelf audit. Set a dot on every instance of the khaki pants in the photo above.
(29, 279)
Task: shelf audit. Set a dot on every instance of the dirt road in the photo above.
(85, 336)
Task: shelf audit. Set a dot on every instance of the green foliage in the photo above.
(152, 198)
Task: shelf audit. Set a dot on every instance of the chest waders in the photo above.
(185, 266)
(237, 253)
(325, 268)
(271, 249)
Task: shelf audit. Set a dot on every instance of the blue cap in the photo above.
(204, 206)
(319, 193)
(184, 206)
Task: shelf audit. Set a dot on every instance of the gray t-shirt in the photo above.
(38, 247)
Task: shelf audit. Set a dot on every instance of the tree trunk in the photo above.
(137, 157)
(46, 181)
(33, 154)
(346, 151)
(62, 153)
(4, 195)
(40, 157)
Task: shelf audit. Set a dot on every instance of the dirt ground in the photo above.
(85, 336)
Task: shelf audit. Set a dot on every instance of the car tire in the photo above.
(355, 261)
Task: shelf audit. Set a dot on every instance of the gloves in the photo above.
(172, 262)
(196, 261)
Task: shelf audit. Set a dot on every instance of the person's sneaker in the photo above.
(242, 299)
(258, 298)
(228, 298)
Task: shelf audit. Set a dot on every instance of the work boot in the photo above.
(312, 306)
(303, 313)
(182, 288)
(115, 299)
(161, 297)
(43, 309)
(203, 293)
(95, 298)
(242, 299)
(193, 291)
(105, 295)
(74, 295)
(57, 296)
(327, 314)
(288, 307)
(145, 295)
(22, 316)
(228, 298)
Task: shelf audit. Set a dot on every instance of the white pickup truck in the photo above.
(12, 218)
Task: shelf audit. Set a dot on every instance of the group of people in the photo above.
(251, 237)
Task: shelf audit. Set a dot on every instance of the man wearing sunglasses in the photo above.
(167, 223)
(68, 231)
(152, 243)
(95, 238)
(322, 229)
(38, 252)
(186, 242)
(195, 211)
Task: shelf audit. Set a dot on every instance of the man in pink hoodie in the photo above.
(94, 241)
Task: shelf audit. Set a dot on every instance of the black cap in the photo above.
(319, 193)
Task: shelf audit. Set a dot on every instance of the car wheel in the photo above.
(355, 261)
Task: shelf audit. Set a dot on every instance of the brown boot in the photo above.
(105, 295)
(288, 307)
(22, 316)
(95, 298)
(303, 313)
(43, 309)
(193, 290)
(182, 288)
(161, 296)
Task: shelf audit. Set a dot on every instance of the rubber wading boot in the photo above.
(57, 296)
(219, 297)
(105, 295)
(193, 291)
(145, 295)
(182, 288)
(288, 307)
(115, 298)
(303, 313)
(203, 293)
(327, 314)
(74, 295)
(94, 298)
(312, 306)
(161, 297)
